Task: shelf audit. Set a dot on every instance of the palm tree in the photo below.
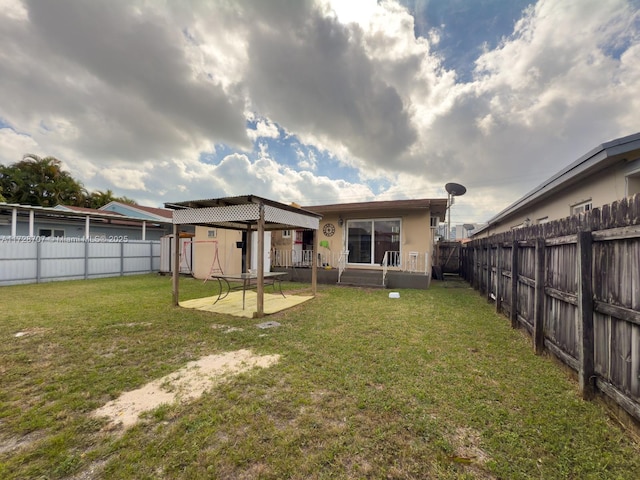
(40, 181)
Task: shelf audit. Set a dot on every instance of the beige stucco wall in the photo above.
(416, 234)
(230, 257)
(601, 188)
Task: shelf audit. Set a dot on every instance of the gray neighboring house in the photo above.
(146, 223)
(602, 176)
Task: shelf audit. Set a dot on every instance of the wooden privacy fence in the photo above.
(447, 257)
(574, 284)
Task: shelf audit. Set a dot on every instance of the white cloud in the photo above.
(264, 129)
(130, 94)
(353, 11)
(13, 10)
(308, 160)
(125, 178)
(14, 145)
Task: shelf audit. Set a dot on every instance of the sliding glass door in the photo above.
(368, 240)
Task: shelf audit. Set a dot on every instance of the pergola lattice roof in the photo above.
(241, 212)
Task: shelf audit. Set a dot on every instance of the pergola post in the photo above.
(260, 266)
(175, 278)
(247, 251)
(314, 263)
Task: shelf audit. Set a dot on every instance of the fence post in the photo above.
(38, 262)
(474, 267)
(488, 277)
(585, 315)
(538, 316)
(514, 284)
(86, 258)
(121, 258)
(499, 277)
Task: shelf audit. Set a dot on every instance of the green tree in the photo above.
(40, 181)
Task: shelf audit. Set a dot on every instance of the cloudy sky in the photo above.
(317, 101)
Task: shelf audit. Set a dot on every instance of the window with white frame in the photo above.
(286, 234)
(581, 207)
(50, 232)
(212, 233)
(368, 240)
(633, 183)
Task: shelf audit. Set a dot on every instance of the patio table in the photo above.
(246, 280)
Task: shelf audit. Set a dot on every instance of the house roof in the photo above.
(75, 212)
(437, 206)
(143, 211)
(90, 211)
(596, 160)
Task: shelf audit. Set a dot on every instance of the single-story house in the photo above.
(606, 174)
(78, 222)
(396, 235)
(367, 234)
(370, 243)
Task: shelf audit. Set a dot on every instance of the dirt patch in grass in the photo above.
(30, 332)
(16, 443)
(132, 324)
(186, 384)
(466, 442)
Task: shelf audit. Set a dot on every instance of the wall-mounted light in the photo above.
(340, 221)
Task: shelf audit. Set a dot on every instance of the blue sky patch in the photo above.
(469, 27)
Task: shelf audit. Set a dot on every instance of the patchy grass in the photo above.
(431, 385)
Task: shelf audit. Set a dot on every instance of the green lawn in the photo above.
(431, 385)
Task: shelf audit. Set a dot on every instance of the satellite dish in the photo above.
(469, 226)
(455, 189)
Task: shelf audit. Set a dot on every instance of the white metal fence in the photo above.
(302, 258)
(47, 259)
(414, 262)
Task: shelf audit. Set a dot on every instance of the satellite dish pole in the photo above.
(453, 190)
(468, 227)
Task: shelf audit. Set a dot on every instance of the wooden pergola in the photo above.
(245, 213)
